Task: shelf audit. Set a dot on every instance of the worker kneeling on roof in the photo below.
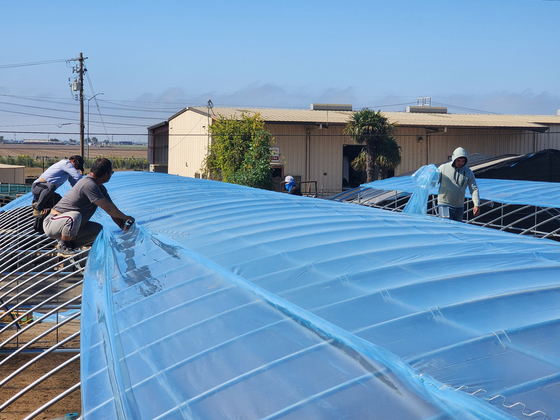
(43, 188)
(69, 221)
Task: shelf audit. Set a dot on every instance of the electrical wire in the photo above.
(76, 112)
(69, 119)
(466, 109)
(36, 63)
(97, 105)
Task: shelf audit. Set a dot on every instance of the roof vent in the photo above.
(427, 109)
(331, 107)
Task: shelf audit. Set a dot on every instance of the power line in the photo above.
(46, 100)
(466, 109)
(69, 119)
(74, 112)
(36, 63)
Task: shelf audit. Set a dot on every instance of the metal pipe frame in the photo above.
(33, 277)
(36, 359)
(53, 401)
(30, 279)
(52, 307)
(45, 333)
(38, 381)
(365, 197)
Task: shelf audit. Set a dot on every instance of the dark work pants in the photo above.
(44, 195)
(456, 213)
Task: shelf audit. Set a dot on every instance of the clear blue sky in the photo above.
(150, 59)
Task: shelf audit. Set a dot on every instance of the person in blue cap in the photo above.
(290, 185)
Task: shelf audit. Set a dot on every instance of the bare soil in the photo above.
(56, 151)
(48, 389)
(35, 150)
(44, 392)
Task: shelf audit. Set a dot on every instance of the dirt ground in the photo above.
(51, 387)
(34, 150)
(67, 151)
(44, 392)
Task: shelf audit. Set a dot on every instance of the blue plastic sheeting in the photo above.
(544, 194)
(424, 179)
(55, 318)
(25, 200)
(175, 336)
(228, 302)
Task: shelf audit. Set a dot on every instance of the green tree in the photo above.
(388, 158)
(240, 151)
(255, 171)
(374, 131)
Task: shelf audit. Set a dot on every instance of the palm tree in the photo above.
(375, 131)
(389, 155)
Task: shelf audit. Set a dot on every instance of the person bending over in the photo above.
(44, 187)
(69, 220)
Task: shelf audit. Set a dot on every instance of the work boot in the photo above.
(36, 211)
(66, 249)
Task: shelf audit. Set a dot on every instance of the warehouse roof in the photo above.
(405, 119)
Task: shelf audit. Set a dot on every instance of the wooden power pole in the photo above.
(78, 86)
(82, 124)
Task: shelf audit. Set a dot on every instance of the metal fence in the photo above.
(541, 222)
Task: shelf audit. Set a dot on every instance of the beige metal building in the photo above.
(158, 147)
(12, 174)
(311, 146)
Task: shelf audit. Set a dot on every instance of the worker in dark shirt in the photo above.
(68, 221)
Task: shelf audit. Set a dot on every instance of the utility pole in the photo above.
(78, 85)
(82, 125)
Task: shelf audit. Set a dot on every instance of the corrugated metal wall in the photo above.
(188, 141)
(290, 139)
(12, 174)
(313, 153)
(158, 148)
(550, 139)
(438, 147)
(316, 154)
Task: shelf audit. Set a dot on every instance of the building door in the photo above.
(351, 178)
(277, 177)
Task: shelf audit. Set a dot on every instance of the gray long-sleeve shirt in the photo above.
(454, 182)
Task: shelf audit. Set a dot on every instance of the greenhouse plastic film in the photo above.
(424, 179)
(168, 334)
(231, 302)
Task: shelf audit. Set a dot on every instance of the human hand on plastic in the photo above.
(126, 224)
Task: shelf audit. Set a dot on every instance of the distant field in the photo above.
(34, 150)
